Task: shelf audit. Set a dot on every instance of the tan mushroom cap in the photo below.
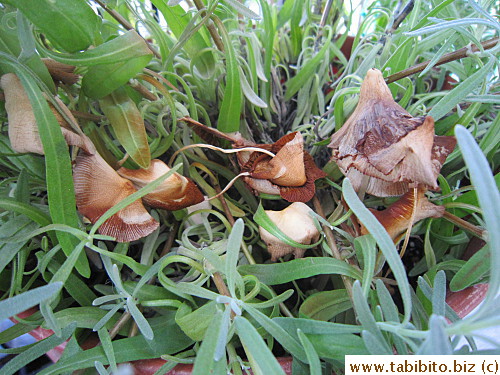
(382, 140)
(98, 188)
(175, 193)
(398, 216)
(296, 223)
(291, 173)
(287, 167)
(23, 129)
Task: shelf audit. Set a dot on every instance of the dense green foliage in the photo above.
(201, 289)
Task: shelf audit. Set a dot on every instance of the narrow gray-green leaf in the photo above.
(24, 301)
(281, 273)
(140, 320)
(256, 348)
(384, 242)
(232, 253)
(459, 93)
(489, 200)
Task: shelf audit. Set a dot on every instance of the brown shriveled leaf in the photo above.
(98, 188)
(296, 223)
(175, 193)
(397, 217)
(61, 72)
(382, 140)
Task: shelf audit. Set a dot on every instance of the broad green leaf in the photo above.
(24, 301)
(122, 48)
(383, 241)
(128, 125)
(178, 20)
(230, 110)
(281, 273)
(472, 271)
(325, 305)
(36, 351)
(307, 71)
(28, 55)
(17, 226)
(261, 358)
(70, 24)
(195, 324)
(62, 204)
(102, 80)
(338, 348)
(316, 327)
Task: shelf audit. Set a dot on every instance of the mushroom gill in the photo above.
(382, 140)
(175, 193)
(405, 212)
(98, 188)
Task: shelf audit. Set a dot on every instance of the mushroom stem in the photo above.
(229, 185)
(119, 324)
(476, 231)
(410, 223)
(232, 151)
(330, 239)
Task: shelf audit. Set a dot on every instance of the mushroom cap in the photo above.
(296, 223)
(175, 193)
(98, 188)
(382, 140)
(397, 217)
(291, 173)
(287, 167)
(23, 130)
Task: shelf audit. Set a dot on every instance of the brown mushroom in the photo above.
(290, 173)
(296, 223)
(175, 193)
(405, 212)
(383, 141)
(23, 129)
(98, 188)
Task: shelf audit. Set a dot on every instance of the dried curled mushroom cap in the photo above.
(382, 140)
(175, 193)
(296, 223)
(398, 216)
(23, 129)
(98, 188)
(291, 173)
